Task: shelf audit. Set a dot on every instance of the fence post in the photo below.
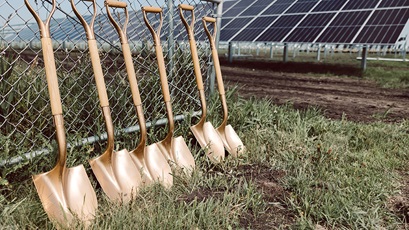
(171, 41)
(219, 12)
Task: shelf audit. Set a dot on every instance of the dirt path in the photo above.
(358, 99)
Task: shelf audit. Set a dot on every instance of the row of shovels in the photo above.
(66, 193)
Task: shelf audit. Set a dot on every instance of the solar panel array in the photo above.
(70, 29)
(314, 21)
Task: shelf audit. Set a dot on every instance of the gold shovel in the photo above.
(64, 192)
(230, 139)
(117, 174)
(149, 159)
(173, 148)
(204, 131)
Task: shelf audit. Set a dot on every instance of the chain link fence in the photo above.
(25, 115)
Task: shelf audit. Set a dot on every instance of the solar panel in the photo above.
(361, 4)
(254, 29)
(276, 9)
(329, 5)
(300, 7)
(233, 27)
(316, 21)
(310, 28)
(394, 3)
(382, 26)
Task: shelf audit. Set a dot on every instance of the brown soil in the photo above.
(352, 97)
(268, 182)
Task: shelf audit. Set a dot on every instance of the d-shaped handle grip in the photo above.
(121, 31)
(89, 28)
(152, 9)
(116, 4)
(44, 25)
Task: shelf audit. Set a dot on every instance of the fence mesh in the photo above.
(25, 115)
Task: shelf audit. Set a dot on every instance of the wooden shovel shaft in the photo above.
(195, 57)
(51, 75)
(158, 49)
(192, 42)
(215, 55)
(161, 65)
(130, 69)
(99, 75)
(126, 50)
(52, 83)
(216, 64)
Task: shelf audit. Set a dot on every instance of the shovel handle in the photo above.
(44, 25)
(89, 28)
(49, 61)
(158, 48)
(215, 55)
(121, 31)
(193, 47)
(116, 4)
(125, 48)
(186, 7)
(209, 19)
(52, 82)
(93, 50)
(152, 9)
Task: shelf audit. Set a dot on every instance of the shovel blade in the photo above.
(236, 146)
(209, 140)
(64, 197)
(214, 143)
(157, 166)
(117, 174)
(182, 155)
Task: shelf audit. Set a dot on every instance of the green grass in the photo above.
(389, 74)
(338, 174)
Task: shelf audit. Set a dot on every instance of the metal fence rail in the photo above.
(25, 119)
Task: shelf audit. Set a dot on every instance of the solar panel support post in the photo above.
(231, 52)
(404, 49)
(364, 57)
(318, 52)
(285, 52)
(271, 51)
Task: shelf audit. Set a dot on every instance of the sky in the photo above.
(8, 8)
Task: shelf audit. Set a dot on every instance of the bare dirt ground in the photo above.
(352, 97)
